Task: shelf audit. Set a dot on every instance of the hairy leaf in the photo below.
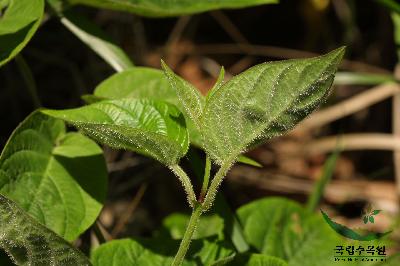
(59, 178)
(17, 26)
(153, 128)
(28, 242)
(164, 8)
(150, 83)
(264, 101)
(188, 96)
(144, 83)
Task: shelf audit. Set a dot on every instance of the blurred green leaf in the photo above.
(365, 219)
(138, 82)
(127, 252)
(371, 219)
(375, 212)
(393, 260)
(264, 101)
(396, 25)
(166, 8)
(392, 5)
(30, 243)
(319, 187)
(257, 260)
(17, 26)
(96, 39)
(150, 127)
(59, 178)
(282, 228)
(157, 252)
(175, 225)
(353, 78)
(248, 161)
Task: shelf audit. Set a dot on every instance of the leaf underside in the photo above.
(29, 243)
(166, 8)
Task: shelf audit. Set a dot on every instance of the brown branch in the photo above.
(350, 106)
(121, 223)
(368, 141)
(338, 191)
(274, 52)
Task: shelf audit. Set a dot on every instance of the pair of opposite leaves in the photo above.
(264, 101)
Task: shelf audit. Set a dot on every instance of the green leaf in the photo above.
(262, 218)
(248, 161)
(153, 128)
(393, 260)
(30, 243)
(282, 228)
(157, 252)
(57, 177)
(144, 83)
(257, 260)
(175, 225)
(166, 8)
(365, 219)
(17, 26)
(137, 82)
(396, 33)
(319, 187)
(375, 212)
(127, 252)
(188, 96)
(371, 219)
(218, 84)
(97, 40)
(264, 101)
(392, 5)
(150, 83)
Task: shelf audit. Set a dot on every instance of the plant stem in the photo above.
(205, 179)
(27, 75)
(187, 237)
(215, 183)
(187, 185)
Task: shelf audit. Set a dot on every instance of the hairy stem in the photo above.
(215, 183)
(187, 237)
(205, 179)
(187, 185)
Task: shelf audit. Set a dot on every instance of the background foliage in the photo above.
(85, 51)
